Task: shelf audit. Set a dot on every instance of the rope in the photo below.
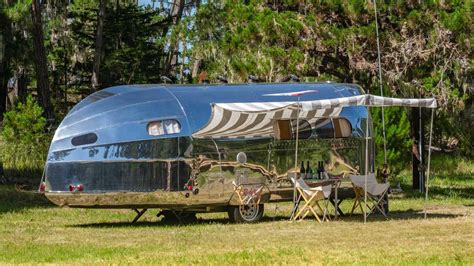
(380, 84)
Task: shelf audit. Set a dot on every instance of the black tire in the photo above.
(251, 213)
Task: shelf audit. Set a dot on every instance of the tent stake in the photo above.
(429, 161)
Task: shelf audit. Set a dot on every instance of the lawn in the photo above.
(33, 231)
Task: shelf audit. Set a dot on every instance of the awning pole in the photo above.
(380, 84)
(297, 132)
(296, 158)
(429, 161)
(366, 162)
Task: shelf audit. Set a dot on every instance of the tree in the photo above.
(4, 33)
(133, 48)
(40, 60)
(58, 48)
(17, 65)
(98, 46)
(175, 14)
(425, 46)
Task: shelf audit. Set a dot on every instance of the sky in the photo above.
(144, 2)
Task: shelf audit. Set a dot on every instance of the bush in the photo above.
(397, 129)
(24, 143)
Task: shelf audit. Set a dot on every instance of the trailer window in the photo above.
(304, 129)
(169, 126)
(342, 128)
(282, 129)
(324, 129)
(333, 128)
(286, 129)
(88, 138)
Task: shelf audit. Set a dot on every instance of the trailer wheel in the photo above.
(250, 213)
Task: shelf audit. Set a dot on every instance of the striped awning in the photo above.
(368, 100)
(256, 119)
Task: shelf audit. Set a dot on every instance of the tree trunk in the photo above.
(417, 149)
(21, 86)
(3, 76)
(176, 12)
(40, 60)
(4, 36)
(98, 47)
(181, 70)
(196, 66)
(65, 74)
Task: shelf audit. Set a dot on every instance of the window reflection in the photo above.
(109, 176)
(180, 173)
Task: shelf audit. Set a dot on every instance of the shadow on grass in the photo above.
(396, 215)
(14, 199)
(400, 215)
(172, 224)
(464, 177)
(440, 192)
(465, 193)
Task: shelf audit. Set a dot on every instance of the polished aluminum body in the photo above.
(122, 166)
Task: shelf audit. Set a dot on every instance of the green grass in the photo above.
(33, 231)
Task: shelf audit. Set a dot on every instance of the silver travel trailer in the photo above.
(202, 148)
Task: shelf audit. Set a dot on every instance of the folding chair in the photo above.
(375, 193)
(311, 197)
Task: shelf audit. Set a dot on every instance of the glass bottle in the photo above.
(319, 170)
(309, 171)
(302, 170)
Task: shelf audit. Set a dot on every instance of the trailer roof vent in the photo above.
(99, 95)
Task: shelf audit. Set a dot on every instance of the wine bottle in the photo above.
(302, 170)
(309, 171)
(324, 175)
(319, 170)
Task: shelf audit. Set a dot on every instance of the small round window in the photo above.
(164, 127)
(333, 128)
(342, 128)
(88, 138)
(304, 129)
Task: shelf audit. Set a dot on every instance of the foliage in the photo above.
(136, 48)
(25, 123)
(133, 45)
(451, 178)
(24, 142)
(397, 131)
(426, 51)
